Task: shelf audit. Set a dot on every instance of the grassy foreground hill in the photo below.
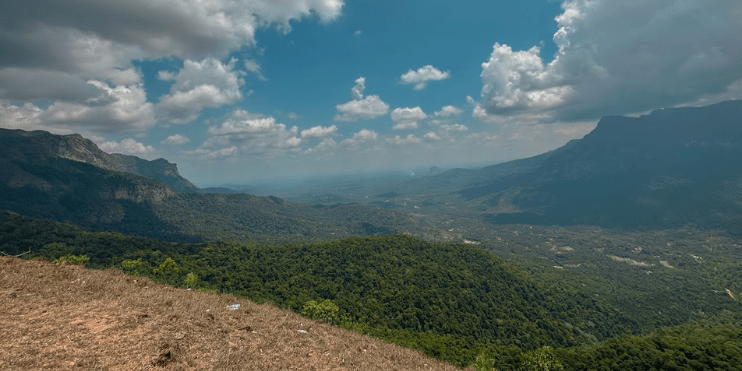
(60, 316)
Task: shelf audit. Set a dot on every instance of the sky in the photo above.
(236, 91)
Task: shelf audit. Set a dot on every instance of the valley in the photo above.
(628, 238)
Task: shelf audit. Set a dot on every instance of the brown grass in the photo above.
(60, 316)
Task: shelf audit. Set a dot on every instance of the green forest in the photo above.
(455, 302)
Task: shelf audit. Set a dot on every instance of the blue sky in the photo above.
(238, 91)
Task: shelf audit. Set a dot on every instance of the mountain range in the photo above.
(68, 177)
(672, 167)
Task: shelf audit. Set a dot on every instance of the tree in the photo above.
(542, 359)
(130, 266)
(73, 259)
(191, 280)
(326, 311)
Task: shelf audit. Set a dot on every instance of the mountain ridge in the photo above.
(40, 144)
(49, 176)
(672, 167)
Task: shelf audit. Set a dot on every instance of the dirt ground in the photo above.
(60, 316)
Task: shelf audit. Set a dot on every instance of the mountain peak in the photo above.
(20, 144)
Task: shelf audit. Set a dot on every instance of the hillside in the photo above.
(43, 147)
(60, 316)
(669, 168)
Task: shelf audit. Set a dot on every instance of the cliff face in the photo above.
(75, 147)
(70, 178)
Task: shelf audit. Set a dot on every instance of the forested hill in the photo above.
(449, 300)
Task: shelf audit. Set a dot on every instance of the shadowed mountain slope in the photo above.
(672, 167)
(38, 146)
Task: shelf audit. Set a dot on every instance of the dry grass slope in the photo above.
(60, 316)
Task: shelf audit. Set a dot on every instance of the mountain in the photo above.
(20, 145)
(672, 167)
(69, 178)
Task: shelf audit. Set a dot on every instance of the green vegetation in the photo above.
(454, 302)
(73, 259)
(326, 311)
(243, 217)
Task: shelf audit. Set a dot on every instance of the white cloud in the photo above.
(363, 136)
(127, 146)
(319, 131)
(361, 108)
(431, 135)
(407, 118)
(121, 108)
(448, 111)
(175, 140)
(454, 127)
(209, 83)
(422, 76)
(325, 145)
(254, 67)
(519, 80)
(253, 134)
(617, 58)
(207, 154)
(399, 141)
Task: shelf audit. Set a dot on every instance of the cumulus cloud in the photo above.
(361, 137)
(361, 108)
(454, 127)
(252, 134)
(319, 131)
(448, 111)
(52, 49)
(432, 136)
(324, 145)
(187, 28)
(175, 140)
(208, 83)
(209, 154)
(617, 58)
(407, 118)
(422, 76)
(399, 141)
(127, 146)
(365, 135)
(122, 108)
